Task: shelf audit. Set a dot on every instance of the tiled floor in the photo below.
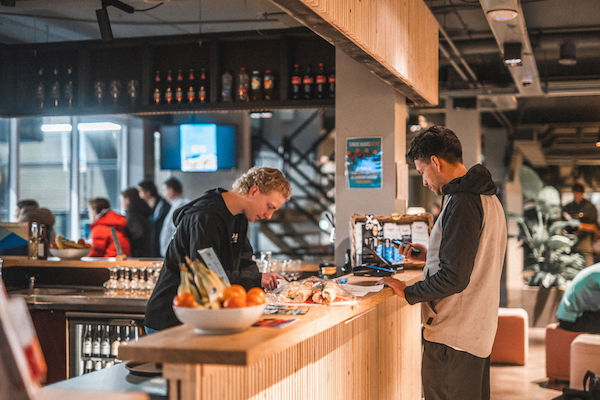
(526, 382)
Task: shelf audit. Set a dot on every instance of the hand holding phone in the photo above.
(400, 245)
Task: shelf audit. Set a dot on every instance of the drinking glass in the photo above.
(134, 281)
(112, 283)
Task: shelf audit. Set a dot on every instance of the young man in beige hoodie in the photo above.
(460, 290)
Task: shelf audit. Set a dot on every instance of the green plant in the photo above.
(546, 237)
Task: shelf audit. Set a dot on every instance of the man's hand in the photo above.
(406, 251)
(269, 280)
(396, 285)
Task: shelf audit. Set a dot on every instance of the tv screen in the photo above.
(198, 147)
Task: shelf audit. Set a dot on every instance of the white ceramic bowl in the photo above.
(221, 321)
(69, 254)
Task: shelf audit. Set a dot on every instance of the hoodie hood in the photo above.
(477, 180)
(111, 218)
(211, 199)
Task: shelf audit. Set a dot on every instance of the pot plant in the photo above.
(547, 240)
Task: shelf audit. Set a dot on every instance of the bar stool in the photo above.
(511, 343)
(585, 355)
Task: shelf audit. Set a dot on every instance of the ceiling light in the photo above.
(56, 127)
(98, 126)
(567, 53)
(512, 54)
(501, 10)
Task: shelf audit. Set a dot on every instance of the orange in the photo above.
(184, 299)
(235, 301)
(232, 291)
(255, 297)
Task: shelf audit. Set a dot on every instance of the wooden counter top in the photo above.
(95, 262)
(181, 345)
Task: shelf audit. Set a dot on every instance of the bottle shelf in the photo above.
(88, 65)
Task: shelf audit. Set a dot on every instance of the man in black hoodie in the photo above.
(219, 219)
(460, 290)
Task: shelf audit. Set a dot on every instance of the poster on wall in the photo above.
(363, 163)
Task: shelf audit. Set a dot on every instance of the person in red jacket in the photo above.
(103, 218)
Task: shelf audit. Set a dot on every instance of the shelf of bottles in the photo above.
(100, 345)
(164, 74)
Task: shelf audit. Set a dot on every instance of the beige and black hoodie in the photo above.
(460, 290)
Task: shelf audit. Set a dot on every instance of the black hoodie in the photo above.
(204, 222)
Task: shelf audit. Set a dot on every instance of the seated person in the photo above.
(41, 216)
(579, 308)
(102, 219)
(23, 205)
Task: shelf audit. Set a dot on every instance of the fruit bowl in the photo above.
(221, 321)
(69, 254)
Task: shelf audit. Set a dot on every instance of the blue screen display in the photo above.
(198, 147)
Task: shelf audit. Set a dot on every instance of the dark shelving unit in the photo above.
(137, 59)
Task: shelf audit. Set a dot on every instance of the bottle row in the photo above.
(103, 341)
(54, 89)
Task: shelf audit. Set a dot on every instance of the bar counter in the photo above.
(368, 351)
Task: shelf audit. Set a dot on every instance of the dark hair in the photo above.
(131, 194)
(27, 203)
(436, 141)
(174, 184)
(149, 186)
(578, 188)
(98, 204)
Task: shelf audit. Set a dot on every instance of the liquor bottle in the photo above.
(55, 88)
(203, 86)
(89, 366)
(136, 333)
(169, 88)
(114, 347)
(331, 85)
(256, 85)
(105, 342)
(69, 87)
(156, 94)
(40, 90)
(179, 87)
(126, 334)
(87, 341)
(33, 241)
(191, 91)
(243, 85)
(96, 342)
(98, 365)
(43, 242)
(226, 86)
(296, 82)
(269, 85)
(308, 83)
(321, 82)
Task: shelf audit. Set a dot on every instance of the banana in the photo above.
(206, 286)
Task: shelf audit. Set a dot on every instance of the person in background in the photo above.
(149, 193)
(102, 219)
(139, 226)
(460, 291)
(579, 308)
(219, 219)
(41, 216)
(584, 211)
(173, 192)
(23, 205)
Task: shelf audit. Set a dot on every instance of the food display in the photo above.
(61, 243)
(201, 287)
(315, 291)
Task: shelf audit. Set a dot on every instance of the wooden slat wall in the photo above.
(401, 35)
(376, 355)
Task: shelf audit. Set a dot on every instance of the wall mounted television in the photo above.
(198, 147)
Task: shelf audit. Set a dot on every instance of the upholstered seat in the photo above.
(558, 350)
(511, 341)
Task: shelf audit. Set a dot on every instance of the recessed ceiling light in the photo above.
(503, 14)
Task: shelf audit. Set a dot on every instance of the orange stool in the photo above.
(511, 343)
(558, 350)
(585, 355)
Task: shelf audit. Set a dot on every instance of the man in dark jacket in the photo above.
(460, 290)
(160, 208)
(219, 219)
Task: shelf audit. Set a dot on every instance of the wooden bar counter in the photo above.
(368, 351)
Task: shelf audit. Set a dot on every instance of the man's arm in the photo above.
(461, 228)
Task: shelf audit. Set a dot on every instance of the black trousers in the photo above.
(589, 322)
(450, 374)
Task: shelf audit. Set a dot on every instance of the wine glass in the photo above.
(112, 283)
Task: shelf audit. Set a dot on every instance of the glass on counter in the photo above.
(132, 281)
